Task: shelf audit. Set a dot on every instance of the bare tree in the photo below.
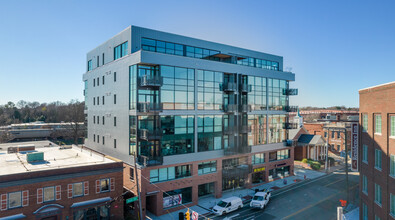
(5, 136)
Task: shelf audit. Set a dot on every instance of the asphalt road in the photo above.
(316, 199)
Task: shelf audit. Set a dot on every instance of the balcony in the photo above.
(149, 135)
(228, 130)
(245, 88)
(245, 108)
(230, 108)
(291, 108)
(290, 91)
(288, 125)
(245, 129)
(150, 81)
(149, 107)
(150, 161)
(239, 170)
(228, 87)
(236, 150)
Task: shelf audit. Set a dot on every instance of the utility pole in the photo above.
(346, 148)
(326, 152)
(140, 216)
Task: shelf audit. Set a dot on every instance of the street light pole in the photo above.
(346, 148)
(138, 187)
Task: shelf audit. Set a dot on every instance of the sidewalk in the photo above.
(207, 202)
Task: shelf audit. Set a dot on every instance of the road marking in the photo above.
(232, 216)
(298, 186)
(333, 182)
(314, 204)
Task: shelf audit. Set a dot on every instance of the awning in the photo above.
(90, 202)
(12, 217)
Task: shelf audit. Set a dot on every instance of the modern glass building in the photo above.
(199, 117)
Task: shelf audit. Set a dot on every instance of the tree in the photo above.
(5, 136)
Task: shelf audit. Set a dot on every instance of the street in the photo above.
(316, 198)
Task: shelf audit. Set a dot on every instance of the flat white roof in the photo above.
(372, 87)
(54, 158)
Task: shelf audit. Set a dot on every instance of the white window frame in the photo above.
(365, 122)
(376, 126)
(82, 189)
(365, 184)
(8, 200)
(392, 126)
(377, 159)
(365, 153)
(378, 194)
(109, 185)
(54, 193)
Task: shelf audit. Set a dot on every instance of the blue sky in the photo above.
(334, 47)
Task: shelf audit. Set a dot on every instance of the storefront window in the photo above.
(177, 197)
(279, 171)
(98, 213)
(205, 189)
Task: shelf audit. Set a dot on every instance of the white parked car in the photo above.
(260, 199)
(228, 205)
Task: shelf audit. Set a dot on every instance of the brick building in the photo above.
(377, 152)
(53, 183)
(336, 139)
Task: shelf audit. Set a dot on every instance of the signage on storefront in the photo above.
(281, 164)
(354, 146)
(170, 201)
(259, 169)
(133, 199)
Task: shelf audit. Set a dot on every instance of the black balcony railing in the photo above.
(228, 87)
(150, 160)
(148, 135)
(245, 129)
(291, 108)
(234, 150)
(150, 81)
(240, 170)
(149, 107)
(245, 88)
(230, 108)
(245, 108)
(290, 91)
(288, 125)
(228, 130)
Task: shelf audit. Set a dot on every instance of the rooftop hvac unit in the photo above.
(35, 157)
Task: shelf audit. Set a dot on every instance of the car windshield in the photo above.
(258, 198)
(222, 204)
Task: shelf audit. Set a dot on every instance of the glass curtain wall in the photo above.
(277, 99)
(209, 132)
(132, 87)
(132, 134)
(178, 88)
(277, 133)
(257, 96)
(148, 95)
(209, 95)
(258, 129)
(178, 134)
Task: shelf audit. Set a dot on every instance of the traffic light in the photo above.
(187, 215)
(180, 216)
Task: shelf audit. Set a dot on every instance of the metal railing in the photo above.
(289, 143)
(150, 81)
(228, 87)
(242, 169)
(245, 108)
(291, 108)
(150, 160)
(290, 91)
(149, 107)
(245, 88)
(245, 129)
(146, 134)
(230, 108)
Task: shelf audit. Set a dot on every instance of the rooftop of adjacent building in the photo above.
(55, 157)
(378, 87)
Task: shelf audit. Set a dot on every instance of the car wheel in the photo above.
(239, 207)
(223, 213)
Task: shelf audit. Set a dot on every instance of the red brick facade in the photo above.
(152, 193)
(32, 185)
(373, 101)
